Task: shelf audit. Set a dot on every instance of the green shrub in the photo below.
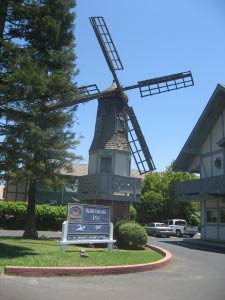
(194, 220)
(131, 236)
(12, 216)
(50, 217)
(133, 212)
(116, 228)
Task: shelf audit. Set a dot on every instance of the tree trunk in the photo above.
(3, 13)
(30, 225)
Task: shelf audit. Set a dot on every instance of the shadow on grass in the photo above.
(38, 241)
(13, 251)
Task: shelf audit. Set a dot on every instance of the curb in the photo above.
(89, 271)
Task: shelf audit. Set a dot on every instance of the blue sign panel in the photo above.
(96, 214)
(80, 237)
(91, 228)
(88, 213)
(88, 222)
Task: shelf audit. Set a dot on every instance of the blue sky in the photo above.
(153, 38)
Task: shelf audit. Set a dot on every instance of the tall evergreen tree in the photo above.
(37, 69)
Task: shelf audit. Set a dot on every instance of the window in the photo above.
(120, 123)
(217, 162)
(106, 165)
(211, 216)
(222, 216)
(180, 223)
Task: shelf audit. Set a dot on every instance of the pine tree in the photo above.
(37, 69)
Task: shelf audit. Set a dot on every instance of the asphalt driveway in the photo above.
(193, 274)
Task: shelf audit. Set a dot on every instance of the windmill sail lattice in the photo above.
(106, 43)
(138, 145)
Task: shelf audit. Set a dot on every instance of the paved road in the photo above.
(193, 274)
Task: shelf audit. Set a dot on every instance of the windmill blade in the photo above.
(88, 90)
(138, 146)
(163, 84)
(85, 94)
(107, 46)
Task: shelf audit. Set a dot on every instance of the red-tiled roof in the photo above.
(82, 169)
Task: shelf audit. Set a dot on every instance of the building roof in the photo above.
(77, 170)
(209, 116)
(82, 169)
(109, 133)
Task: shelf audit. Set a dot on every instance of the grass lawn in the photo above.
(46, 253)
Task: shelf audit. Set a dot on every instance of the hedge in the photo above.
(12, 216)
(131, 236)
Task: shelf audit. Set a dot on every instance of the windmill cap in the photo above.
(111, 91)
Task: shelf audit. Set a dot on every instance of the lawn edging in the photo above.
(89, 271)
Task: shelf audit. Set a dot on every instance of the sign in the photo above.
(88, 228)
(88, 222)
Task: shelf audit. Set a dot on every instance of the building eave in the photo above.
(192, 147)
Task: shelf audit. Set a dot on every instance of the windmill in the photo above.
(117, 131)
(149, 87)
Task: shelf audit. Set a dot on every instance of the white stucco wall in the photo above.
(222, 233)
(217, 134)
(206, 145)
(210, 150)
(214, 230)
(120, 162)
(211, 232)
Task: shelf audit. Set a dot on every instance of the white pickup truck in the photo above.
(180, 227)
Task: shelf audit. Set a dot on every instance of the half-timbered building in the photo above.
(204, 154)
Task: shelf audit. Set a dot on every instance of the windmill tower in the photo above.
(110, 152)
(117, 133)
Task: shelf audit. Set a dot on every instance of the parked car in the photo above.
(180, 227)
(158, 229)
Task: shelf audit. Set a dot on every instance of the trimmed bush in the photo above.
(116, 228)
(131, 236)
(50, 217)
(12, 216)
(133, 212)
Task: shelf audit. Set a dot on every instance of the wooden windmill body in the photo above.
(117, 133)
(110, 150)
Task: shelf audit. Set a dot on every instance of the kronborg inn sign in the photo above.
(87, 224)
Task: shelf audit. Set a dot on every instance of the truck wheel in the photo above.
(178, 233)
